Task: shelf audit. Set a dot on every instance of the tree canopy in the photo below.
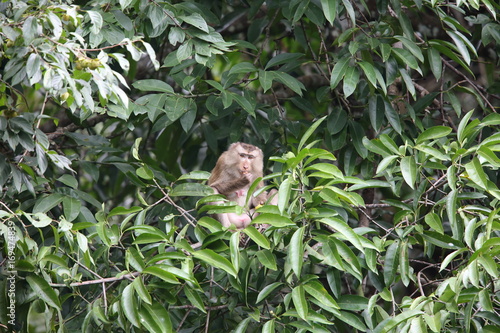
(378, 121)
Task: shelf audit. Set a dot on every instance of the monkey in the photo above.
(235, 171)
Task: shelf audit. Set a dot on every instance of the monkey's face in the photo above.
(246, 162)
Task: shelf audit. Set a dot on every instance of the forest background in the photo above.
(378, 121)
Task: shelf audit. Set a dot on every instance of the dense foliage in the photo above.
(379, 126)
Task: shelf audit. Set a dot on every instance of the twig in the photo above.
(184, 213)
(98, 281)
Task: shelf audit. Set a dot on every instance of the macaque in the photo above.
(235, 171)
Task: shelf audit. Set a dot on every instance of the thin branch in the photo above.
(98, 281)
(74, 127)
(184, 213)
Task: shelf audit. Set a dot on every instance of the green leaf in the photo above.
(406, 58)
(187, 276)
(194, 298)
(267, 259)
(391, 263)
(433, 133)
(267, 290)
(296, 251)
(450, 257)
(339, 71)
(44, 291)
(214, 259)
(153, 85)
(351, 319)
(268, 327)
(38, 220)
(310, 132)
(141, 290)
(242, 326)
(350, 11)
(369, 71)
(289, 81)
(392, 117)
(47, 203)
(377, 147)
(409, 170)
(346, 231)
(266, 79)
(97, 21)
(351, 80)
(196, 20)
(388, 324)
(445, 48)
(476, 173)
(350, 261)
(124, 211)
(184, 51)
(242, 68)
(408, 82)
(435, 62)
(191, 190)
(234, 250)
(336, 121)
(444, 241)
(244, 103)
(357, 134)
(329, 9)
(489, 264)
(283, 58)
(327, 168)
(299, 301)
(433, 152)
(451, 212)
(188, 118)
(155, 318)
(404, 264)
(162, 274)
(275, 220)
(463, 45)
(412, 47)
(434, 221)
(385, 163)
(144, 172)
(128, 303)
(316, 290)
(257, 237)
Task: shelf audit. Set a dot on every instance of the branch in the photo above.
(73, 127)
(98, 281)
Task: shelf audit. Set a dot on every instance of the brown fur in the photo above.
(233, 174)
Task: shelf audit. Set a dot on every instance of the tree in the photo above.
(378, 120)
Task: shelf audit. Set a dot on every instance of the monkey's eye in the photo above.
(242, 155)
(251, 156)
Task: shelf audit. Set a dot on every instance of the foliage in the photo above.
(379, 123)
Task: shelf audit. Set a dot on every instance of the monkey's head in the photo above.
(247, 158)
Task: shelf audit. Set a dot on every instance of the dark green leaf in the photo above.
(44, 291)
(339, 71)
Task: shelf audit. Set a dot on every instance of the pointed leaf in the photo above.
(329, 9)
(299, 301)
(409, 170)
(433, 133)
(216, 260)
(339, 71)
(296, 251)
(351, 80)
(44, 291)
(257, 237)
